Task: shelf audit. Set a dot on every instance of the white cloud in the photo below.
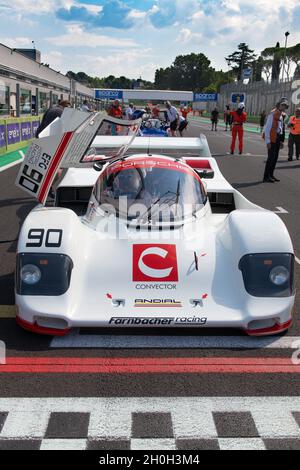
(126, 63)
(16, 42)
(36, 7)
(77, 37)
(186, 36)
(91, 8)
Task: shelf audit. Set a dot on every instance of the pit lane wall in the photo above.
(16, 133)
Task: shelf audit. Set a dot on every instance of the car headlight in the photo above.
(268, 274)
(30, 274)
(43, 273)
(279, 275)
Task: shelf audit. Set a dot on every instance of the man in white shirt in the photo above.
(173, 117)
(274, 138)
(85, 107)
(129, 112)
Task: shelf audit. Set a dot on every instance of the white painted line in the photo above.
(21, 424)
(153, 444)
(9, 165)
(297, 260)
(275, 423)
(280, 210)
(272, 415)
(241, 444)
(63, 444)
(76, 340)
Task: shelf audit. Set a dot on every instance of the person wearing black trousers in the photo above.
(274, 137)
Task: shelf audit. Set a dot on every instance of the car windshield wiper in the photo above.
(175, 195)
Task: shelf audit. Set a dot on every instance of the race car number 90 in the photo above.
(30, 180)
(52, 240)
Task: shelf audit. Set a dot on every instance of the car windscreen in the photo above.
(150, 193)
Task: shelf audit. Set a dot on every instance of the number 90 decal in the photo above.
(53, 238)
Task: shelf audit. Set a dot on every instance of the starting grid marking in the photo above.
(77, 340)
(7, 311)
(150, 422)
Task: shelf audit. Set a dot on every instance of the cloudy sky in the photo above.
(134, 37)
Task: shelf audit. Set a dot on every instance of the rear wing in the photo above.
(178, 146)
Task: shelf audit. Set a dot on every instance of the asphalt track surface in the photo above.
(150, 389)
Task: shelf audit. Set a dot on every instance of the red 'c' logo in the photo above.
(154, 263)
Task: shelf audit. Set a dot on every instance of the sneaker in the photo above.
(232, 152)
(275, 179)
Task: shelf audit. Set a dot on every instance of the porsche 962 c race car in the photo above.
(144, 233)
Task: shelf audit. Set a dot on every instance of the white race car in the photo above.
(151, 238)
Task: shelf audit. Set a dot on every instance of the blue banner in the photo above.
(108, 94)
(26, 130)
(238, 97)
(205, 97)
(13, 133)
(2, 135)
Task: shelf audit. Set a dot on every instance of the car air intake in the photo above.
(74, 198)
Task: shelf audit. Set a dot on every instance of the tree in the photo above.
(243, 58)
(257, 69)
(188, 72)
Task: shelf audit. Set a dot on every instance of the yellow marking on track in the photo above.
(7, 311)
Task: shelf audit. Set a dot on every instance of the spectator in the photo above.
(129, 112)
(262, 120)
(115, 110)
(155, 112)
(294, 137)
(227, 117)
(274, 138)
(182, 125)
(51, 114)
(172, 117)
(238, 119)
(85, 107)
(214, 118)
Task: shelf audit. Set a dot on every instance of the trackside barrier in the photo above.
(16, 133)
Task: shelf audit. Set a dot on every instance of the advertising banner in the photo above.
(205, 97)
(2, 136)
(26, 130)
(13, 133)
(108, 94)
(238, 98)
(35, 125)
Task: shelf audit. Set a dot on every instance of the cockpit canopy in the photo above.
(150, 189)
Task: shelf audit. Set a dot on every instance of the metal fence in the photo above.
(259, 95)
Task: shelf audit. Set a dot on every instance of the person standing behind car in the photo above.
(294, 137)
(173, 118)
(214, 118)
(51, 114)
(239, 117)
(274, 138)
(85, 107)
(262, 120)
(227, 117)
(129, 112)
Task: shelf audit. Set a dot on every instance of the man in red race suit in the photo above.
(238, 118)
